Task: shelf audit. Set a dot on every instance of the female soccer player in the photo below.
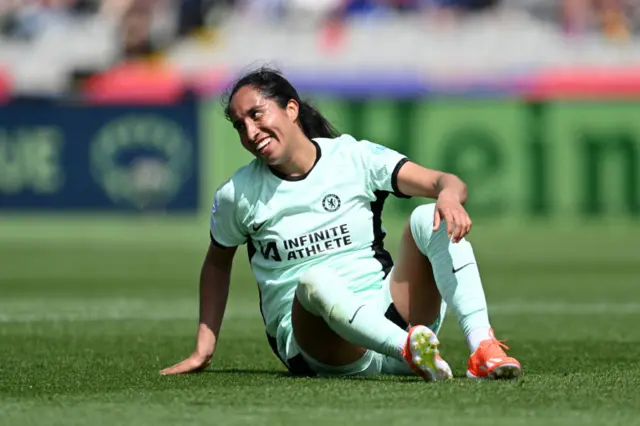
(309, 208)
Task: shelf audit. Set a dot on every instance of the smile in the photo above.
(262, 145)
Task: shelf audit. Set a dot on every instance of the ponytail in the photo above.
(314, 124)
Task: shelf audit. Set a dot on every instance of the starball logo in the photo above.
(141, 160)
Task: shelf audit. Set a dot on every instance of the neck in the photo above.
(301, 160)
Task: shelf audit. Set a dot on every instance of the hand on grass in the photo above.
(195, 363)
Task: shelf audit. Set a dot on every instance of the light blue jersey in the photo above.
(331, 215)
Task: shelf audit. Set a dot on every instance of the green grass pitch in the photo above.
(89, 315)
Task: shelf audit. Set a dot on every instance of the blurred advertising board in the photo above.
(61, 156)
(543, 146)
(548, 159)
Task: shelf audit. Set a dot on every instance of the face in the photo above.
(263, 126)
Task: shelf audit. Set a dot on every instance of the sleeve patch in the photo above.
(377, 149)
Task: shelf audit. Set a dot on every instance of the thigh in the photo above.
(317, 340)
(325, 353)
(413, 288)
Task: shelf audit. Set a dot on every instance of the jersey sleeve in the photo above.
(381, 165)
(224, 226)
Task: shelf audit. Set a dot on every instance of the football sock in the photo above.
(324, 294)
(456, 274)
(477, 335)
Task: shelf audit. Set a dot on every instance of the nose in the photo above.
(252, 130)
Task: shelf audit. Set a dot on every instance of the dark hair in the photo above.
(272, 85)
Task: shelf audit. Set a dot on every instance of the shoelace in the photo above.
(499, 343)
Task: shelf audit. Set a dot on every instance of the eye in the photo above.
(239, 126)
(256, 115)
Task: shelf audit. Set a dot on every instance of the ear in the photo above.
(293, 110)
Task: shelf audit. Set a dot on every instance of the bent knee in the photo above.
(423, 215)
(305, 291)
(310, 283)
(421, 224)
(310, 280)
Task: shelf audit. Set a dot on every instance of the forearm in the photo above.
(452, 185)
(214, 292)
(417, 181)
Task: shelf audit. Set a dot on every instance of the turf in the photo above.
(89, 315)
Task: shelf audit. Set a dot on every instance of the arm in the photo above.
(388, 170)
(417, 181)
(215, 278)
(449, 191)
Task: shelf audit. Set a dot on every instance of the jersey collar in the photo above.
(303, 176)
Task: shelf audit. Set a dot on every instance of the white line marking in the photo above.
(22, 310)
(110, 309)
(564, 308)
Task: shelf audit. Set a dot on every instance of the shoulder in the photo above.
(340, 142)
(347, 142)
(240, 183)
(344, 146)
(238, 192)
(348, 146)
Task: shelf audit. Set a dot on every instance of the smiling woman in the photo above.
(309, 207)
(262, 128)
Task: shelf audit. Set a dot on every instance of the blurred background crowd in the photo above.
(141, 21)
(43, 41)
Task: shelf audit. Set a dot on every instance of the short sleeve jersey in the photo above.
(331, 215)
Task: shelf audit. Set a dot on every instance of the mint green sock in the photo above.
(323, 293)
(461, 290)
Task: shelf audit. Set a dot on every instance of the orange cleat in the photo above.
(490, 361)
(422, 355)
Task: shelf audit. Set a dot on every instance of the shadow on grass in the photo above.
(286, 375)
(242, 371)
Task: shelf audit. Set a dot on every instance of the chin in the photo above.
(274, 161)
(270, 160)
